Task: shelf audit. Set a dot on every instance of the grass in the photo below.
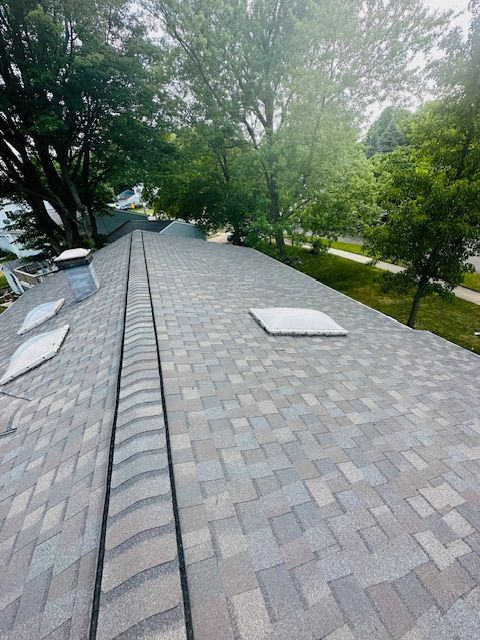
(348, 246)
(3, 283)
(456, 321)
(147, 211)
(471, 281)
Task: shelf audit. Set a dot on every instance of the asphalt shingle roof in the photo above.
(295, 488)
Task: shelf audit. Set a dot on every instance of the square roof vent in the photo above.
(293, 321)
(40, 314)
(34, 351)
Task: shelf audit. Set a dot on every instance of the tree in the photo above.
(388, 132)
(73, 92)
(431, 189)
(432, 226)
(206, 179)
(33, 236)
(272, 68)
(338, 197)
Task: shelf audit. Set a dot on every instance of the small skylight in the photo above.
(292, 321)
(72, 254)
(40, 314)
(34, 351)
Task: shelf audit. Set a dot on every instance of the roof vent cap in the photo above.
(294, 321)
(79, 272)
(40, 314)
(33, 352)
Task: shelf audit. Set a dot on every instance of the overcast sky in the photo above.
(456, 5)
(462, 20)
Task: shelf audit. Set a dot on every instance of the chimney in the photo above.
(79, 272)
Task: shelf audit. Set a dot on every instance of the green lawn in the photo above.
(471, 281)
(348, 246)
(456, 321)
(3, 283)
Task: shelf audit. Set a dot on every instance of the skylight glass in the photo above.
(40, 314)
(292, 321)
(72, 254)
(34, 351)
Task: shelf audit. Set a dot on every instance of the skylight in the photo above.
(292, 321)
(72, 254)
(34, 351)
(40, 314)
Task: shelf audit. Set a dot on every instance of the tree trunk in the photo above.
(50, 228)
(237, 236)
(72, 234)
(94, 227)
(88, 198)
(280, 241)
(80, 208)
(274, 216)
(414, 310)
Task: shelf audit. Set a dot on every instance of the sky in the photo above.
(462, 20)
(457, 6)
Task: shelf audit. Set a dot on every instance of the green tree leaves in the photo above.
(74, 76)
(432, 225)
(291, 78)
(388, 132)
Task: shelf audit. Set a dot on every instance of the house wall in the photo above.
(10, 242)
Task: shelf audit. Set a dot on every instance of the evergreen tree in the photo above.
(388, 132)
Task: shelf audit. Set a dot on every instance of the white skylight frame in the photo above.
(40, 314)
(42, 347)
(297, 321)
(72, 254)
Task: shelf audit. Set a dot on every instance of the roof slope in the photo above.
(53, 468)
(321, 485)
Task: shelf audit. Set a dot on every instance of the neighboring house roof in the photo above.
(321, 487)
(125, 194)
(141, 225)
(109, 221)
(181, 229)
(118, 223)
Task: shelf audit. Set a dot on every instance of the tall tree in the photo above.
(388, 132)
(73, 88)
(272, 67)
(431, 194)
(207, 179)
(432, 188)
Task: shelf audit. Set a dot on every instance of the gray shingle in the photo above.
(279, 591)
(309, 470)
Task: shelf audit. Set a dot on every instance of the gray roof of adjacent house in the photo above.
(110, 220)
(115, 223)
(175, 472)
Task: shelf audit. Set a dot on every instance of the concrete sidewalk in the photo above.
(461, 292)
